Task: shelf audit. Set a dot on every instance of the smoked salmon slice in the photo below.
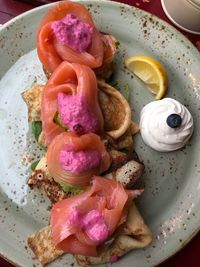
(73, 80)
(73, 145)
(107, 197)
(106, 69)
(52, 52)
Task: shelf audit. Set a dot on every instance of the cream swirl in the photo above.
(155, 131)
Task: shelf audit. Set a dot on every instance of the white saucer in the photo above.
(173, 19)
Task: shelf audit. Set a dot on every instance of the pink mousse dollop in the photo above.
(92, 223)
(79, 161)
(73, 32)
(75, 113)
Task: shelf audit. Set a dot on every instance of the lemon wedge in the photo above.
(151, 72)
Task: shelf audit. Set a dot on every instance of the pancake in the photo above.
(116, 110)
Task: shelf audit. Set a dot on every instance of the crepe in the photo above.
(131, 235)
(32, 97)
(42, 246)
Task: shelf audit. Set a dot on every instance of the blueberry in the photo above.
(174, 120)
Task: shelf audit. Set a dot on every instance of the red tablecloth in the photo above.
(190, 255)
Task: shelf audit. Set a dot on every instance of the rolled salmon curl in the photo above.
(81, 223)
(71, 93)
(73, 159)
(56, 26)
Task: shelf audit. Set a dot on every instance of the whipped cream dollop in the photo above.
(156, 131)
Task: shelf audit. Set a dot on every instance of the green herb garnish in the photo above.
(115, 84)
(34, 165)
(117, 43)
(36, 127)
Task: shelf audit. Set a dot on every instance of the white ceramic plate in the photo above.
(170, 203)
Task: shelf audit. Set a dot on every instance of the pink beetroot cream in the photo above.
(79, 161)
(92, 223)
(73, 32)
(75, 113)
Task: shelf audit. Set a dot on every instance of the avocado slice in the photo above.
(57, 120)
(70, 189)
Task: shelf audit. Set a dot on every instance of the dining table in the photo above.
(189, 255)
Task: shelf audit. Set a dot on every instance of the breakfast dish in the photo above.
(168, 178)
(80, 120)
